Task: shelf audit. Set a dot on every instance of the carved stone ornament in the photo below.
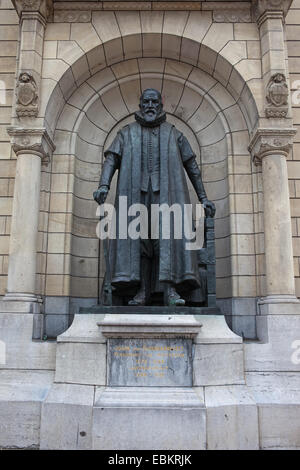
(27, 96)
(74, 16)
(31, 141)
(277, 96)
(229, 12)
(44, 7)
(271, 142)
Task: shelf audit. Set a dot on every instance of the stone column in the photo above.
(31, 147)
(270, 148)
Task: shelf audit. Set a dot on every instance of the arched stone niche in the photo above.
(217, 121)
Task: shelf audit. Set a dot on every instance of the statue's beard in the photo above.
(150, 118)
(150, 115)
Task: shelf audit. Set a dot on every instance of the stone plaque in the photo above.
(143, 362)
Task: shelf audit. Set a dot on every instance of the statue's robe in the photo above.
(176, 264)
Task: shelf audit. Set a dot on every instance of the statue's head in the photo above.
(151, 105)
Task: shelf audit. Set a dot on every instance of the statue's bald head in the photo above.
(151, 104)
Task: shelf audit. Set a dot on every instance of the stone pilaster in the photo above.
(33, 18)
(32, 146)
(269, 15)
(270, 148)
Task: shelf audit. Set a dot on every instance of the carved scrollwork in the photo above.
(277, 96)
(269, 144)
(27, 96)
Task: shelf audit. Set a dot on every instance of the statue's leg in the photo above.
(171, 297)
(143, 295)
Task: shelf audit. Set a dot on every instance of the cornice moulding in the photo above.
(241, 9)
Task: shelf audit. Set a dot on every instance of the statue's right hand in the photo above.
(101, 194)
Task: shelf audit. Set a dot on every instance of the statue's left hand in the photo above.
(209, 208)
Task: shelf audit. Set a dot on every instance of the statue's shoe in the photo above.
(139, 299)
(135, 302)
(175, 300)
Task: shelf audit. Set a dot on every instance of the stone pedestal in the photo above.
(157, 367)
(161, 382)
(149, 401)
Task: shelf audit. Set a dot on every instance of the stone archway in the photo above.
(216, 118)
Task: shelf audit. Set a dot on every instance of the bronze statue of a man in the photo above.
(150, 156)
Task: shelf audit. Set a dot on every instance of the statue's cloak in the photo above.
(176, 264)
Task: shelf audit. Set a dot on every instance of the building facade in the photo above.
(71, 74)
